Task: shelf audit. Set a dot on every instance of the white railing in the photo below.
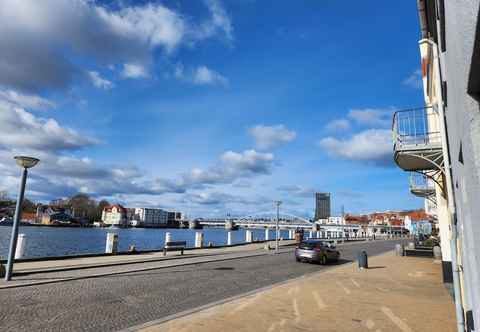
(416, 127)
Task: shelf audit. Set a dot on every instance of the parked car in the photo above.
(316, 251)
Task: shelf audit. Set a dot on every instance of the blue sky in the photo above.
(209, 107)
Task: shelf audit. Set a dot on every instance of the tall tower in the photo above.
(322, 205)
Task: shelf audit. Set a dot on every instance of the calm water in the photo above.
(51, 241)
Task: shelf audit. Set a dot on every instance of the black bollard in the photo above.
(362, 260)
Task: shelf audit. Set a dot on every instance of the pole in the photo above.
(16, 222)
(277, 227)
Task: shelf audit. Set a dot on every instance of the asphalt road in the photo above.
(116, 302)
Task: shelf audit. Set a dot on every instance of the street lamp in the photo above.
(25, 163)
(277, 226)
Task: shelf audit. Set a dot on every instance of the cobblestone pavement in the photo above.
(114, 302)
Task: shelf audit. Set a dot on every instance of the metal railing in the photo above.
(420, 181)
(416, 127)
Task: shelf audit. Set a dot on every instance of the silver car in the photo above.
(316, 251)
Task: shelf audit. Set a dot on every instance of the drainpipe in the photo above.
(456, 269)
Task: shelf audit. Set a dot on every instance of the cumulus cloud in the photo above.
(205, 76)
(372, 117)
(128, 35)
(134, 70)
(414, 80)
(33, 102)
(231, 166)
(338, 125)
(99, 82)
(370, 146)
(23, 130)
(267, 137)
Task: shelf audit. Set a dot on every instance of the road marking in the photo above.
(396, 320)
(296, 311)
(345, 289)
(355, 283)
(321, 305)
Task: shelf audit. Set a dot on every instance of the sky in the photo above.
(208, 107)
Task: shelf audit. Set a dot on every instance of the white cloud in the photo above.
(231, 167)
(133, 70)
(102, 35)
(370, 146)
(100, 82)
(267, 137)
(28, 101)
(204, 76)
(22, 130)
(372, 117)
(338, 125)
(414, 80)
(220, 21)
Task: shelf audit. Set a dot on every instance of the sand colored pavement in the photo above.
(395, 294)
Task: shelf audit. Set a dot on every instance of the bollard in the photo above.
(248, 236)
(267, 234)
(168, 237)
(362, 260)
(318, 234)
(198, 239)
(310, 234)
(2, 270)
(399, 249)
(229, 238)
(437, 252)
(112, 243)
(21, 243)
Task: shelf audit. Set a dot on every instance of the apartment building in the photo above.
(443, 143)
(151, 217)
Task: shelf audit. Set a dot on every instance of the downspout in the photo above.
(456, 270)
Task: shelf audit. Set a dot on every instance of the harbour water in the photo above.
(60, 241)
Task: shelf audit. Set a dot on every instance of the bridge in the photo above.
(289, 222)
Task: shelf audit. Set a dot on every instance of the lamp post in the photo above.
(277, 226)
(25, 163)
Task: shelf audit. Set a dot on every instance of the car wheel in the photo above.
(297, 259)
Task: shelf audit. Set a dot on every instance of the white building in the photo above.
(151, 217)
(332, 220)
(114, 215)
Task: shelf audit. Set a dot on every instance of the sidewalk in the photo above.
(395, 294)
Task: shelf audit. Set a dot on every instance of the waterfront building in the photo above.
(48, 215)
(115, 215)
(149, 217)
(446, 147)
(322, 206)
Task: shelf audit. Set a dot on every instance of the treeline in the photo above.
(82, 206)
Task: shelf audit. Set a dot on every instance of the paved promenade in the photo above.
(396, 294)
(149, 291)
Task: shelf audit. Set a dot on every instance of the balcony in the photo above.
(417, 144)
(422, 186)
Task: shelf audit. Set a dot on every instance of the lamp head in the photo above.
(26, 162)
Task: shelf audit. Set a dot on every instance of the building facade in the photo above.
(450, 59)
(115, 215)
(148, 217)
(322, 206)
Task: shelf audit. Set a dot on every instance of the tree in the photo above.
(101, 205)
(83, 207)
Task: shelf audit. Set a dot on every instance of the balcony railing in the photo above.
(420, 183)
(416, 128)
(417, 141)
